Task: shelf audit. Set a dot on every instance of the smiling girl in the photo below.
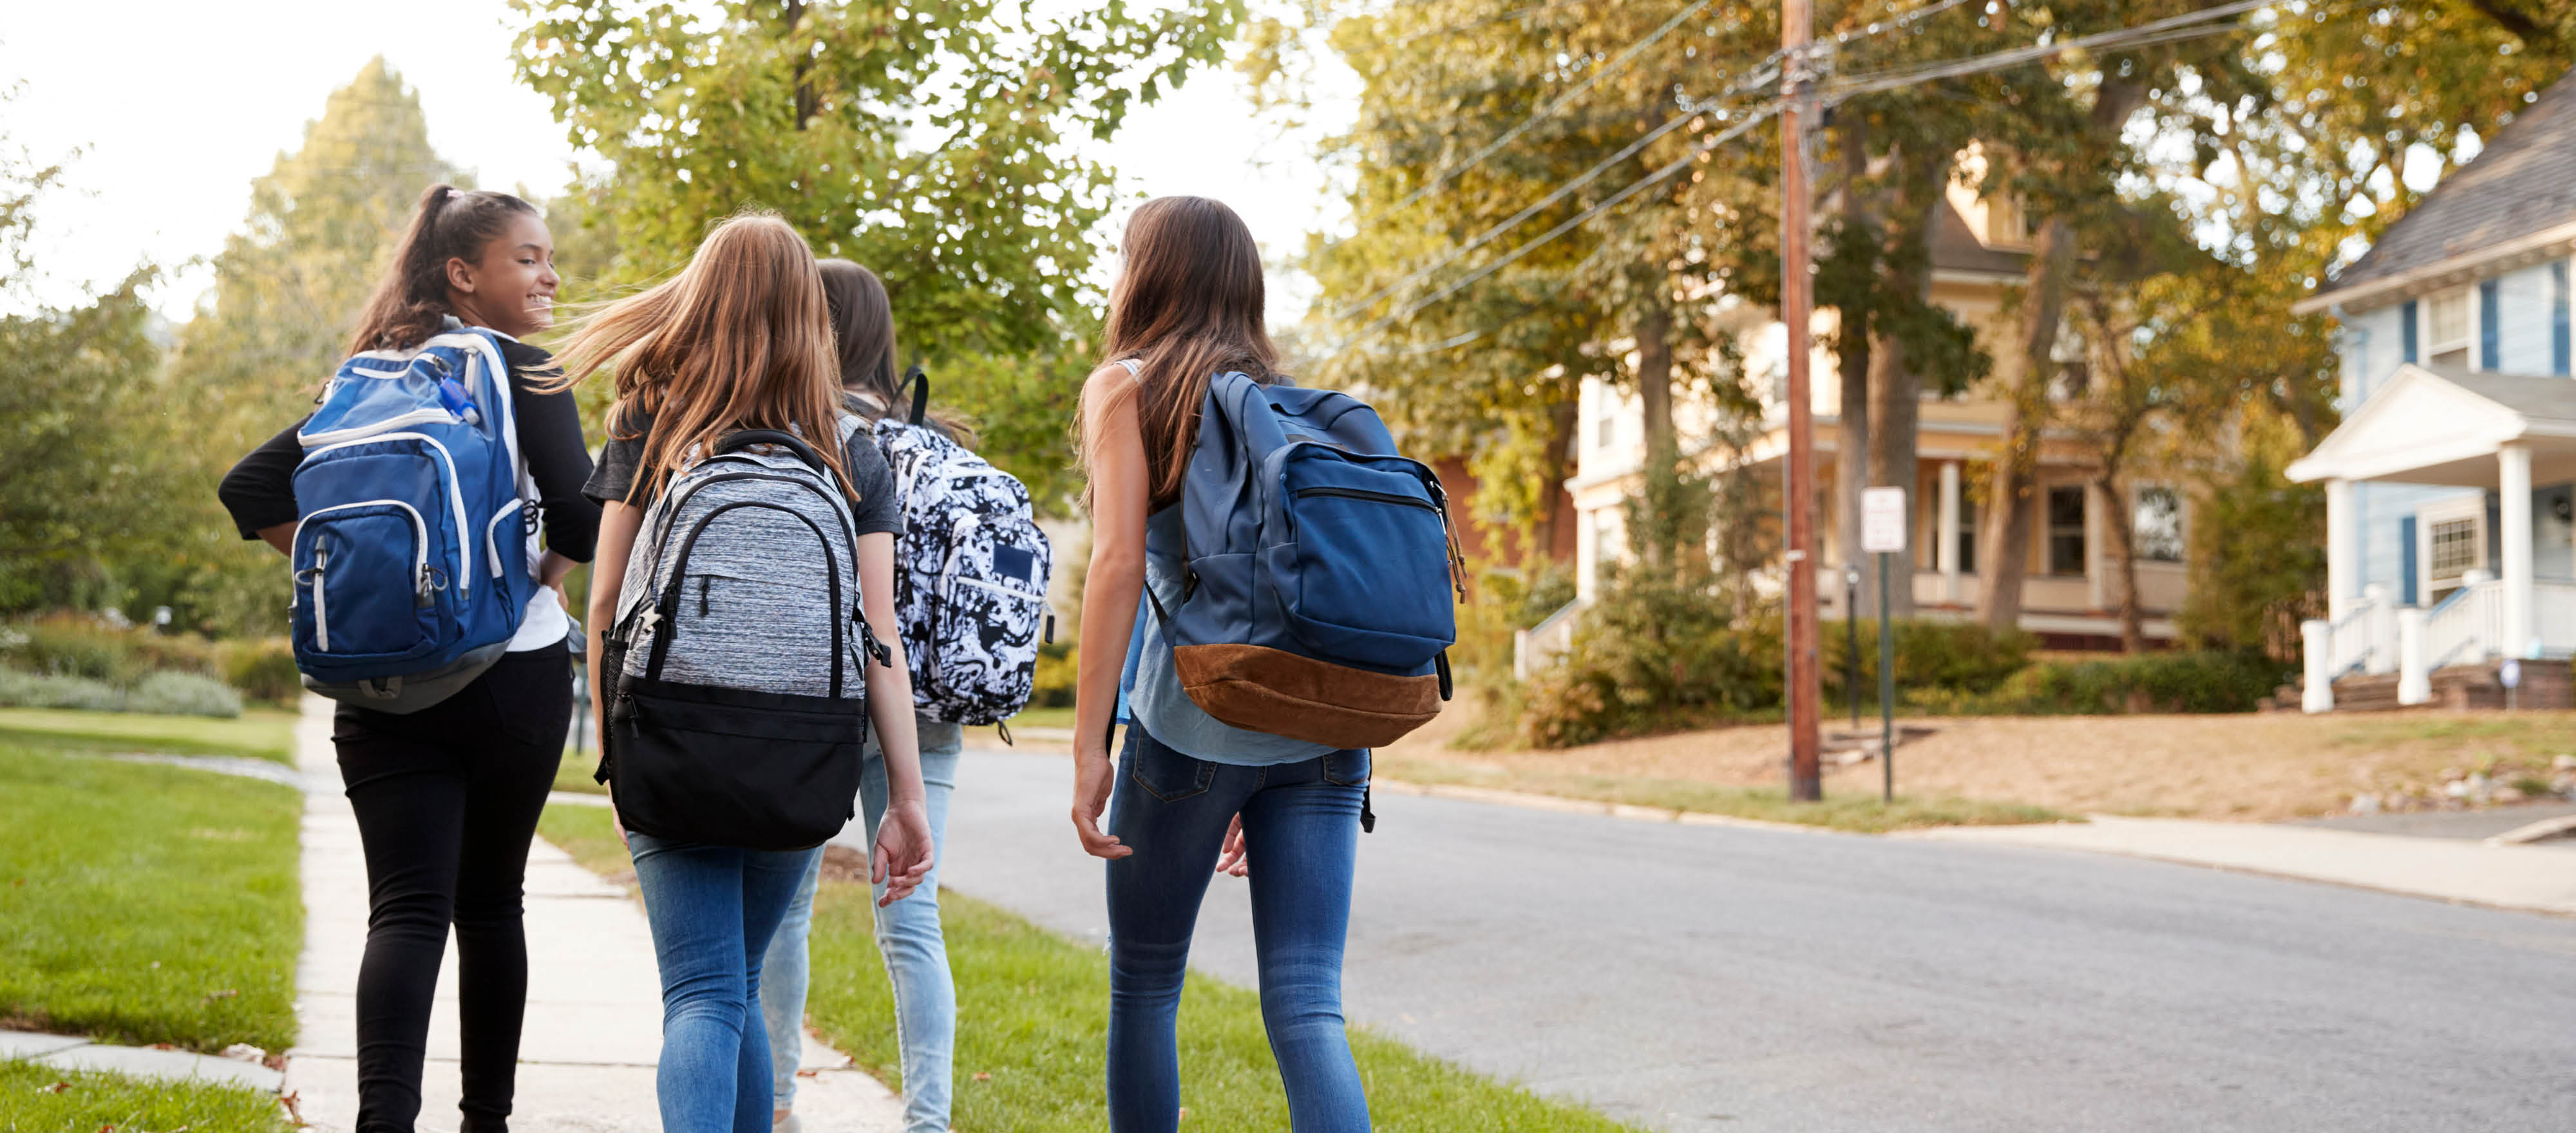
(447, 797)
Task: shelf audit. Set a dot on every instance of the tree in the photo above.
(288, 286)
(926, 141)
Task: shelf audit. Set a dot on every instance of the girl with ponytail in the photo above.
(447, 798)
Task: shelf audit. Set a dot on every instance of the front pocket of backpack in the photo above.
(1371, 566)
(746, 769)
(363, 587)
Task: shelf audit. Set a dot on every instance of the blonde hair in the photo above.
(738, 340)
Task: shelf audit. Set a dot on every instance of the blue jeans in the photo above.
(908, 936)
(1301, 826)
(713, 909)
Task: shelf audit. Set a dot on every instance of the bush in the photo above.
(45, 690)
(1052, 687)
(2149, 682)
(1651, 658)
(84, 645)
(261, 670)
(1943, 655)
(183, 694)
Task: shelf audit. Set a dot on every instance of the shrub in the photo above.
(2149, 682)
(46, 690)
(261, 669)
(1944, 655)
(1652, 658)
(84, 645)
(183, 694)
(1052, 687)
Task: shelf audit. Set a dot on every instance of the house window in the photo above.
(2156, 527)
(2458, 548)
(1609, 431)
(2066, 529)
(2446, 329)
(1967, 536)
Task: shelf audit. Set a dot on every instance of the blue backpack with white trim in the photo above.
(410, 559)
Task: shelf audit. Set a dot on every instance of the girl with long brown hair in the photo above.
(447, 797)
(739, 340)
(1196, 792)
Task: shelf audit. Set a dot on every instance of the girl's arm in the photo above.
(1119, 496)
(618, 523)
(903, 854)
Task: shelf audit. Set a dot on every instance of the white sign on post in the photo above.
(1882, 520)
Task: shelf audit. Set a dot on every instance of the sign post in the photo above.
(1882, 533)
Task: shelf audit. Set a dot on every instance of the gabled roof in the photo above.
(2521, 186)
(2444, 426)
(1955, 247)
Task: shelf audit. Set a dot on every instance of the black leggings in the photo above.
(447, 799)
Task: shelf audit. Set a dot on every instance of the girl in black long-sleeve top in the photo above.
(447, 798)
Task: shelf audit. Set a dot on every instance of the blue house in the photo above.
(2451, 484)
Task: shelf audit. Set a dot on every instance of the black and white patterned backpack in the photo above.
(971, 574)
(738, 653)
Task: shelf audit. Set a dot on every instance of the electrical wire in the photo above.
(1568, 225)
(2169, 30)
(1527, 124)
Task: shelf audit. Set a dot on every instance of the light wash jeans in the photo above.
(713, 910)
(908, 935)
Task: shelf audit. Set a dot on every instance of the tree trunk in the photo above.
(1853, 351)
(805, 105)
(2003, 547)
(1563, 419)
(1896, 386)
(1655, 397)
(2133, 617)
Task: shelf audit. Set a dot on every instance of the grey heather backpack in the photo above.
(738, 653)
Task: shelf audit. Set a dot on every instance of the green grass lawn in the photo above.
(265, 733)
(1042, 718)
(43, 1099)
(146, 904)
(573, 774)
(1035, 1005)
(1858, 812)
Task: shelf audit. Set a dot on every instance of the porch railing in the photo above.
(2365, 641)
(2466, 626)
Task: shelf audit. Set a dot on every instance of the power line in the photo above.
(1527, 124)
(1570, 224)
(2169, 30)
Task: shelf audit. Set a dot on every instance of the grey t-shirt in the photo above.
(877, 510)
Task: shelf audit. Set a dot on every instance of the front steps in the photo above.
(2545, 684)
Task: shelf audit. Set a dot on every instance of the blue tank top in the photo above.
(1152, 683)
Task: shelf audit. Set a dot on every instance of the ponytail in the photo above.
(410, 302)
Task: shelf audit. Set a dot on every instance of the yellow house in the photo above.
(2071, 594)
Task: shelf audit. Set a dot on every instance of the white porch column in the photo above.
(1947, 551)
(2514, 463)
(2414, 658)
(2343, 558)
(2316, 691)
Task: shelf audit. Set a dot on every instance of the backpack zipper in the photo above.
(1364, 494)
(455, 491)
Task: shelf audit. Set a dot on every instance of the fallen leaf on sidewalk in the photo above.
(293, 1100)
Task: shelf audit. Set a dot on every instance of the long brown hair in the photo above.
(862, 328)
(738, 340)
(1187, 305)
(410, 303)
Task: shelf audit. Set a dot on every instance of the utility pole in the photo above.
(1797, 309)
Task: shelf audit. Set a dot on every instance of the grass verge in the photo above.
(1030, 1057)
(147, 904)
(263, 733)
(34, 1097)
(1859, 813)
(573, 774)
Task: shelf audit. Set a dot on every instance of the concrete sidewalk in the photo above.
(594, 1022)
(2537, 878)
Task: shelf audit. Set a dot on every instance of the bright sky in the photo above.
(184, 103)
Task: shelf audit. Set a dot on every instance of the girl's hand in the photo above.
(1093, 776)
(903, 855)
(1232, 860)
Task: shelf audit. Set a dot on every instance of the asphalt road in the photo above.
(1713, 978)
